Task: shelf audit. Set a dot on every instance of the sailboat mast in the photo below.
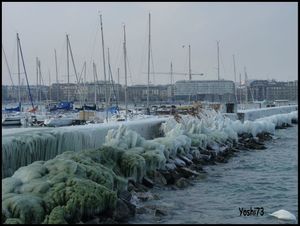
(85, 72)
(25, 71)
(12, 82)
(19, 76)
(84, 84)
(118, 84)
(234, 68)
(172, 81)
(75, 71)
(95, 85)
(57, 97)
(240, 88)
(234, 76)
(125, 69)
(246, 88)
(40, 81)
(149, 43)
(103, 56)
(49, 86)
(37, 79)
(68, 69)
(218, 60)
(190, 68)
(110, 82)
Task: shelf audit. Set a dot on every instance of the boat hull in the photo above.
(54, 122)
(11, 122)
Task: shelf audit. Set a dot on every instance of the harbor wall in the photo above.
(253, 114)
(21, 147)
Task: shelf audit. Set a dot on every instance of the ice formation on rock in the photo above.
(68, 188)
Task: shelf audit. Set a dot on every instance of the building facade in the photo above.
(272, 90)
(87, 92)
(282, 91)
(157, 93)
(202, 90)
(10, 94)
(205, 90)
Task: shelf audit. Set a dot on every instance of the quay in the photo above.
(23, 146)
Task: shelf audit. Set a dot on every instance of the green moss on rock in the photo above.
(28, 208)
(13, 221)
(56, 216)
(133, 165)
(155, 159)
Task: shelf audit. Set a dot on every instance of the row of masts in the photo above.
(107, 98)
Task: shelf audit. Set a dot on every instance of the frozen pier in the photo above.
(253, 114)
(23, 146)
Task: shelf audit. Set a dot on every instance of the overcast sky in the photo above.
(263, 37)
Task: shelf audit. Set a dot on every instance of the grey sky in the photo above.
(263, 37)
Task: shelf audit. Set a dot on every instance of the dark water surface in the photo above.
(263, 178)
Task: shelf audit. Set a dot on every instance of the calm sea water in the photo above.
(263, 178)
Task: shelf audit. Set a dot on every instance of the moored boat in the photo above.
(11, 121)
(55, 122)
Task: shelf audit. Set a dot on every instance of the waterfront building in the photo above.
(282, 91)
(272, 90)
(205, 90)
(202, 90)
(258, 89)
(138, 93)
(86, 92)
(10, 93)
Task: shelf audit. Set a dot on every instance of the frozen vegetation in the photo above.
(77, 186)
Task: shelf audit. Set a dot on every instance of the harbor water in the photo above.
(263, 178)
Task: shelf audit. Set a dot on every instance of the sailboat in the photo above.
(13, 120)
(16, 119)
(11, 109)
(14, 109)
(117, 114)
(63, 119)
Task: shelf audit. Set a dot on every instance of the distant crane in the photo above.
(171, 73)
(190, 68)
(218, 52)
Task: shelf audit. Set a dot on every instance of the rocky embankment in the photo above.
(106, 185)
(180, 173)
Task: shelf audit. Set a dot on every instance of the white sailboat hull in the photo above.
(58, 122)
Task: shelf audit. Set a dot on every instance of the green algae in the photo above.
(26, 207)
(56, 216)
(13, 221)
(155, 159)
(76, 183)
(133, 165)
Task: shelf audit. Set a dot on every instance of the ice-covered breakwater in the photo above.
(21, 147)
(78, 186)
(253, 114)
